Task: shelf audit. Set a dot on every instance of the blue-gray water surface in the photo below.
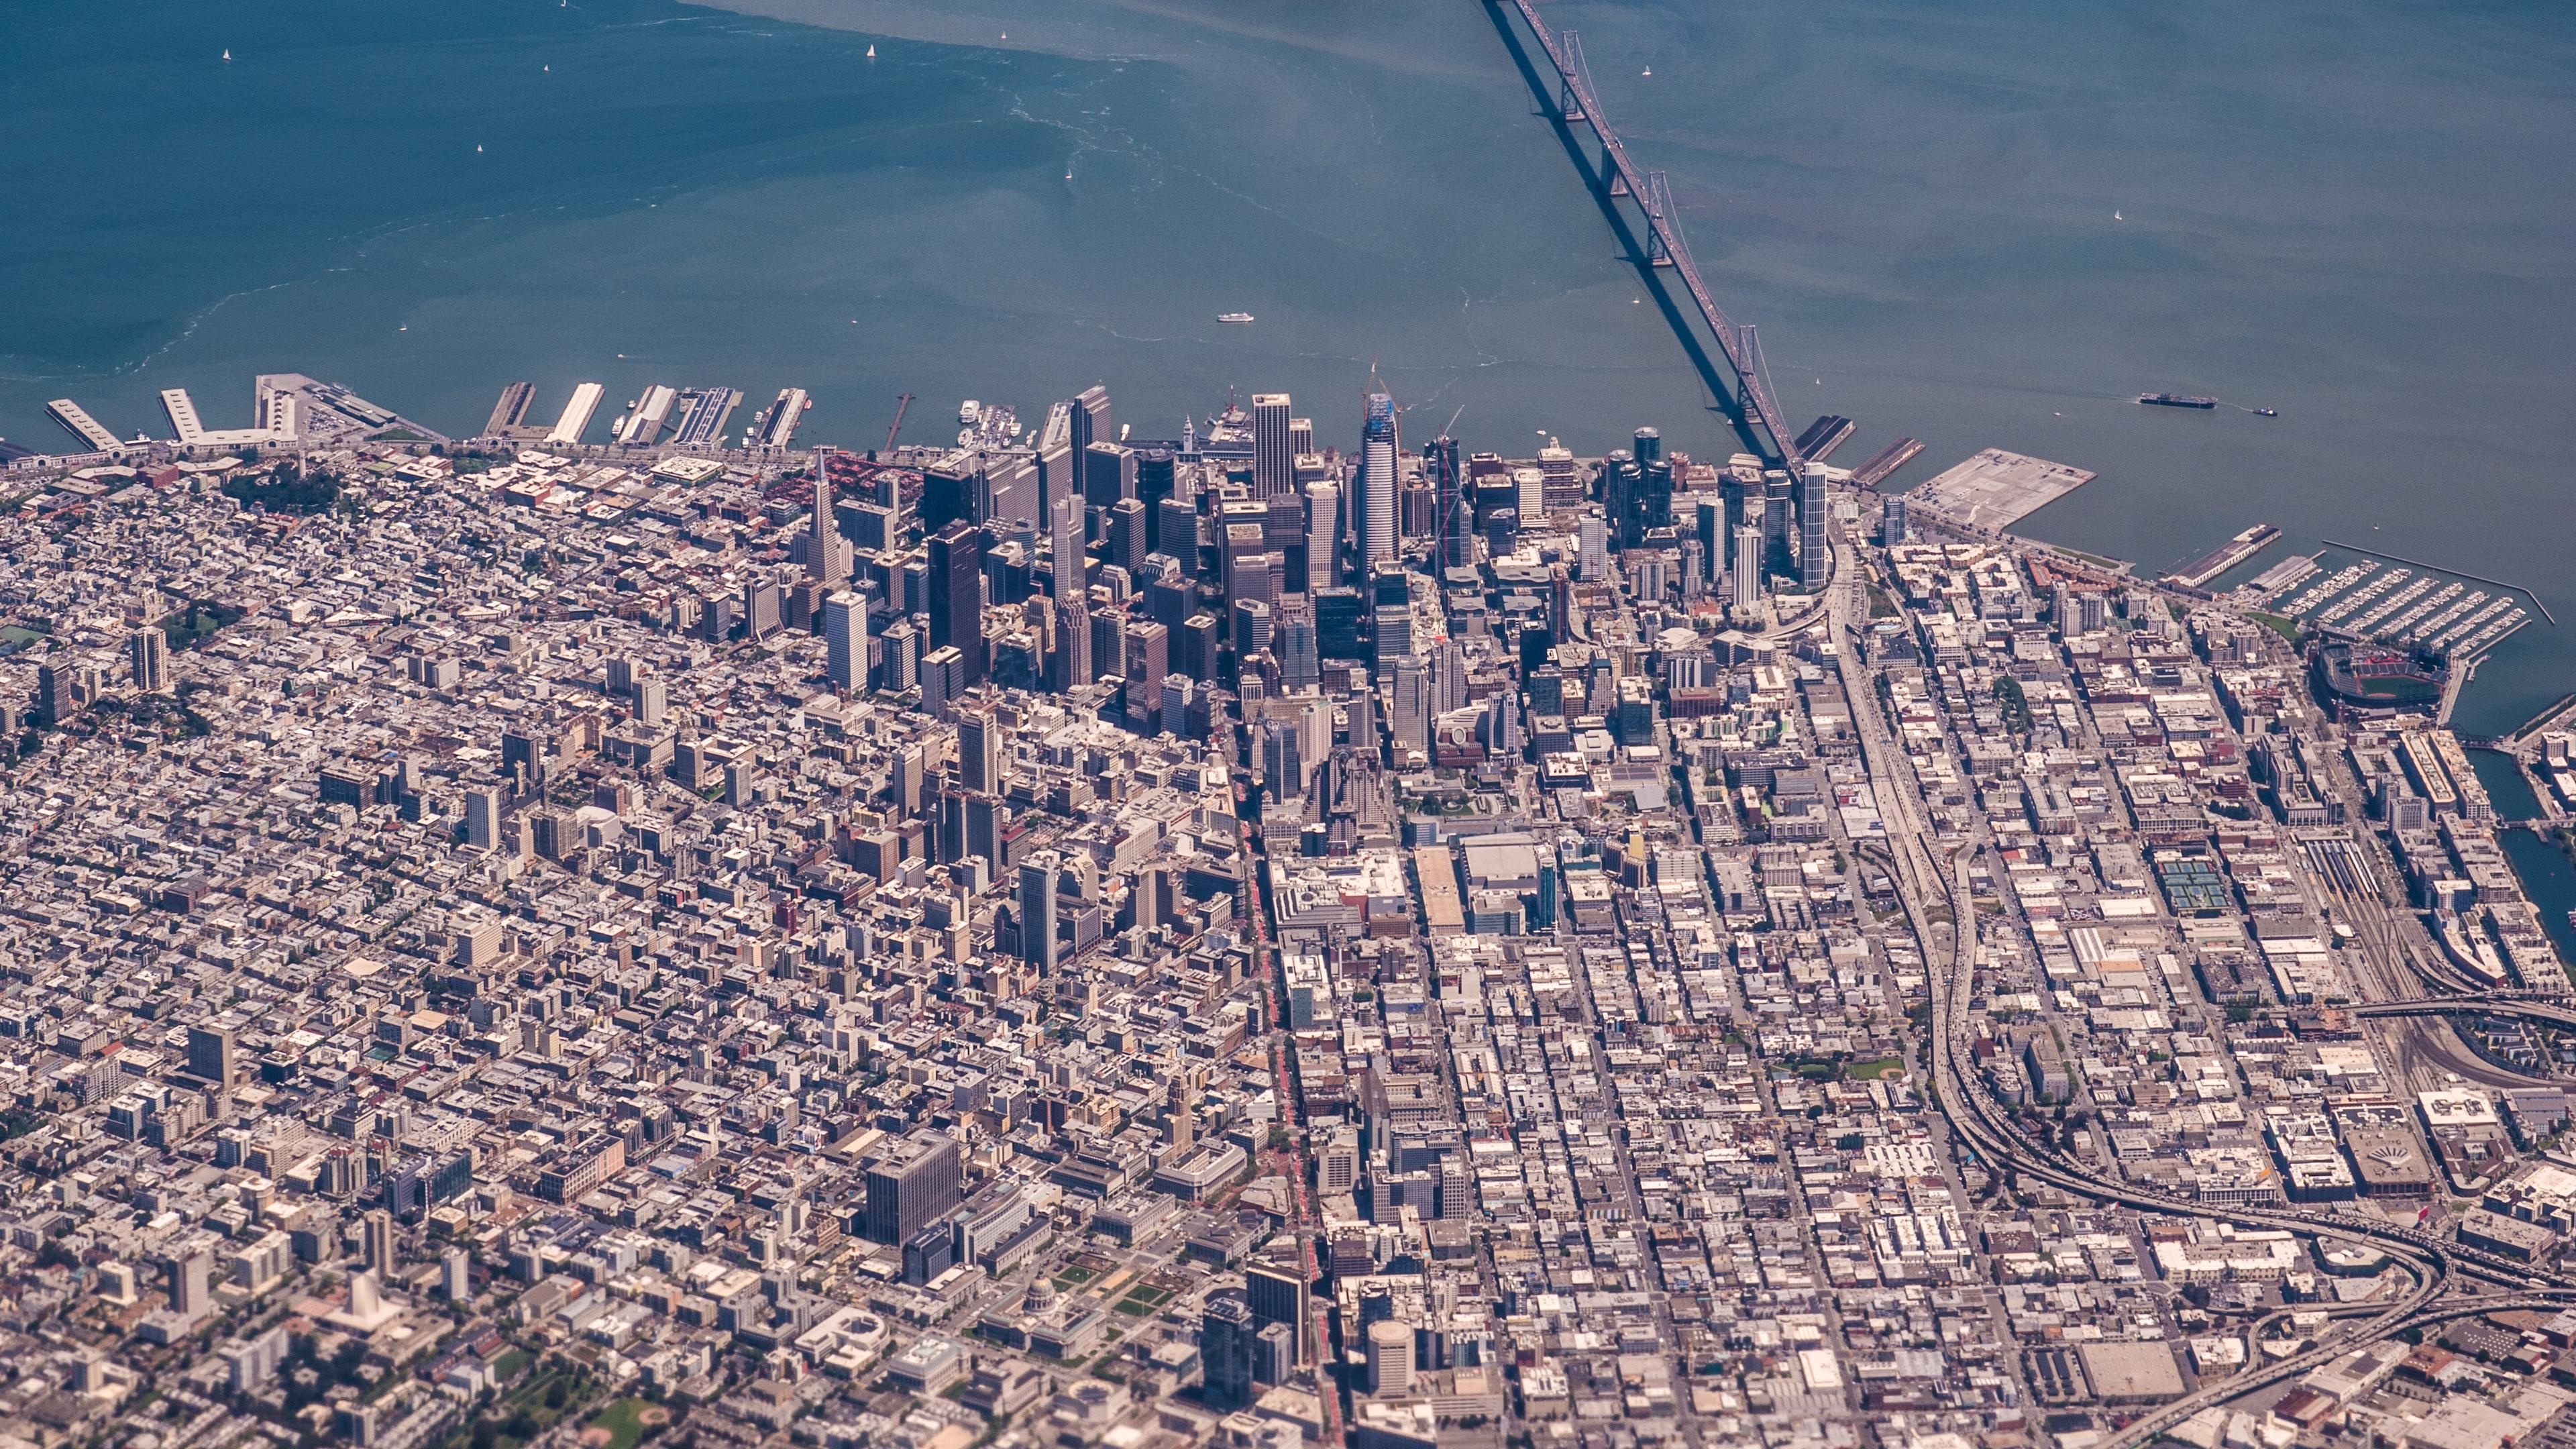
(1985, 224)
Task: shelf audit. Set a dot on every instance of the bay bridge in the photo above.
(1577, 101)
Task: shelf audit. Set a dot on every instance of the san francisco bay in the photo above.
(1986, 225)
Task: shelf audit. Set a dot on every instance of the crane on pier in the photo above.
(901, 402)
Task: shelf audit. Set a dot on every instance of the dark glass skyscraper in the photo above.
(957, 596)
(911, 1186)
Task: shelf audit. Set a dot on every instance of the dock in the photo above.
(1996, 489)
(776, 427)
(511, 413)
(702, 415)
(2284, 576)
(575, 418)
(1886, 461)
(1823, 436)
(84, 427)
(191, 431)
(2197, 573)
(652, 408)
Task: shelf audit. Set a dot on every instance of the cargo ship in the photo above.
(2176, 400)
(1234, 316)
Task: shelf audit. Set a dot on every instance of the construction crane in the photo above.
(901, 402)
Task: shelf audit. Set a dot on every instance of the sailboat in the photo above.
(228, 54)
(872, 52)
(1650, 70)
(2115, 216)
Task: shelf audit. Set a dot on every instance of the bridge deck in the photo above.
(1667, 232)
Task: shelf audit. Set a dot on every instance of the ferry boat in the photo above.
(2176, 400)
(1234, 316)
(2267, 412)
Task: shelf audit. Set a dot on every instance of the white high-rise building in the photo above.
(1323, 534)
(482, 816)
(1595, 559)
(1377, 483)
(845, 641)
(1748, 565)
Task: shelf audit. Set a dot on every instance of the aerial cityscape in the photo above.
(1030, 924)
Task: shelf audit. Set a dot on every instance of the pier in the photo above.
(84, 427)
(1884, 463)
(511, 413)
(576, 414)
(1577, 103)
(2228, 555)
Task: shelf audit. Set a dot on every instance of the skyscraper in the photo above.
(910, 1186)
(1377, 481)
(1815, 555)
(376, 1228)
(482, 816)
(1226, 1334)
(189, 1269)
(1127, 535)
(210, 1054)
(1274, 462)
(1090, 419)
(957, 597)
(1146, 656)
(1323, 534)
(1453, 522)
(845, 641)
(1055, 458)
(150, 650)
(1654, 496)
(979, 751)
(1779, 521)
(1108, 475)
(1038, 878)
(1748, 565)
(1072, 590)
(826, 552)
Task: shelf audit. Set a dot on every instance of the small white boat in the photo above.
(228, 54)
(872, 52)
(1650, 70)
(1234, 316)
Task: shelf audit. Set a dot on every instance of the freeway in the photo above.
(1926, 879)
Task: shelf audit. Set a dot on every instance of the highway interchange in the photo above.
(2449, 1279)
